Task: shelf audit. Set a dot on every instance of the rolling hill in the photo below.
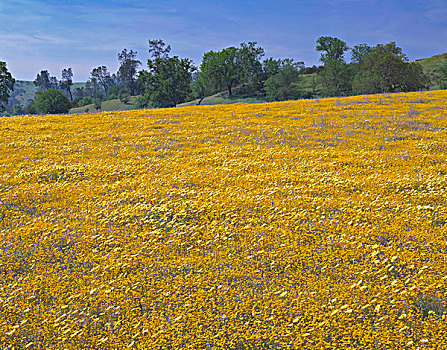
(25, 91)
(430, 66)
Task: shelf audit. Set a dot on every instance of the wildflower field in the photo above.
(314, 224)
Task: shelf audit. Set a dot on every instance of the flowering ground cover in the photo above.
(315, 224)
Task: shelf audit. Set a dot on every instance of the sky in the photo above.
(57, 34)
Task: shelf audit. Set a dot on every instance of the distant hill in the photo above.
(25, 91)
(430, 66)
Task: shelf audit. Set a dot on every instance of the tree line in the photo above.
(170, 80)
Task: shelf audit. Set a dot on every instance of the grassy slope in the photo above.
(223, 98)
(110, 105)
(430, 66)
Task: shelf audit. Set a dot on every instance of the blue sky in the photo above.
(57, 34)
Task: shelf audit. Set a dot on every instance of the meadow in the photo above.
(312, 224)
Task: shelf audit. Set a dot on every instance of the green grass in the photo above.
(222, 98)
(430, 66)
(110, 105)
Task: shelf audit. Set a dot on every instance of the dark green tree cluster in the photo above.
(244, 68)
(6, 85)
(378, 69)
(242, 71)
(442, 80)
(167, 81)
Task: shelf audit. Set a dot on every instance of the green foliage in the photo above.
(109, 105)
(102, 76)
(51, 101)
(385, 69)
(167, 81)
(6, 85)
(128, 70)
(85, 101)
(67, 81)
(31, 108)
(359, 52)
(124, 98)
(429, 306)
(115, 92)
(284, 84)
(431, 67)
(336, 75)
(442, 79)
(221, 70)
(97, 104)
(44, 81)
(199, 88)
(18, 110)
(331, 48)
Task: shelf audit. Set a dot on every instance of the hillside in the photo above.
(430, 66)
(311, 224)
(25, 91)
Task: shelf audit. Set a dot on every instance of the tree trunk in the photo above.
(229, 90)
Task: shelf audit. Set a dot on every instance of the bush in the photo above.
(85, 101)
(97, 104)
(124, 98)
(52, 101)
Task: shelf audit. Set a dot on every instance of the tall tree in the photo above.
(221, 69)
(331, 48)
(128, 69)
(45, 81)
(93, 88)
(6, 85)
(102, 76)
(225, 69)
(336, 76)
(158, 49)
(199, 88)
(67, 81)
(168, 79)
(249, 58)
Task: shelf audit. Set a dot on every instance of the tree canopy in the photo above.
(167, 81)
(6, 85)
(284, 85)
(51, 101)
(385, 69)
(128, 69)
(335, 76)
(67, 81)
(44, 81)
